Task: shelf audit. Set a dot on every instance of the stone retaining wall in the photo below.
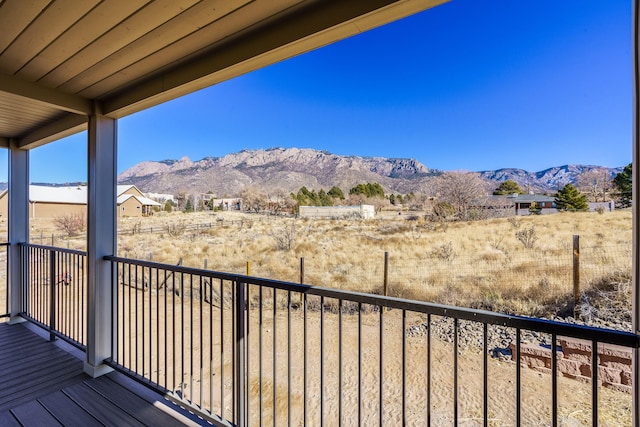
(574, 361)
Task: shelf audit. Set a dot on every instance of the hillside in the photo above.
(277, 168)
(548, 180)
(289, 169)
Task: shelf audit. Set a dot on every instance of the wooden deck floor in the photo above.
(43, 384)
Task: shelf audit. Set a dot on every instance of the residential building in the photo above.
(52, 202)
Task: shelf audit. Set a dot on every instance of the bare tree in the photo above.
(284, 237)
(253, 199)
(71, 224)
(461, 190)
(279, 200)
(595, 184)
(378, 203)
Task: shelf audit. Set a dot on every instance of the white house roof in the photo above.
(78, 195)
(72, 195)
(122, 188)
(143, 200)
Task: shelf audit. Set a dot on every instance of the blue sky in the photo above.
(467, 85)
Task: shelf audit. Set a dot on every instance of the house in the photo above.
(52, 202)
(132, 202)
(225, 204)
(526, 204)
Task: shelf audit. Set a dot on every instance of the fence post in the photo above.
(52, 295)
(301, 270)
(248, 268)
(386, 273)
(576, 276)
(240, 355)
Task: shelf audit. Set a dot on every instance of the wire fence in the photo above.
(468, 279)
(171, 229)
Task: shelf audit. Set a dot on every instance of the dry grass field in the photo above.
(479, 264)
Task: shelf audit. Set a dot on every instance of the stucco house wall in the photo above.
(72, 200)
(362, 211)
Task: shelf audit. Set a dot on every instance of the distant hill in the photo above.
(288, 169)
(548, 180)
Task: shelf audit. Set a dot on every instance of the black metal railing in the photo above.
(247, 351)
(4, 284)
(55, 291)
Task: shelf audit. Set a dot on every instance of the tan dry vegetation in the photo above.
(475, 264)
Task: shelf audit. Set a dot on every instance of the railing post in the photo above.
(240, 361)
(385, 286)
(52, 296)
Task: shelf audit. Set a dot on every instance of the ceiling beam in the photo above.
(45, 95)
(68, 125)
(280, 39)
(4, 142)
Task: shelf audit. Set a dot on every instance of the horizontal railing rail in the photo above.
(242, 350)
(55, 291)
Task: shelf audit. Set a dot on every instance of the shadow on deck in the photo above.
(42, 383)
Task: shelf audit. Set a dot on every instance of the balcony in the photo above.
(240, 350)
(44, 384)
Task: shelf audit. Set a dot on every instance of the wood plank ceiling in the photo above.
(61, 60)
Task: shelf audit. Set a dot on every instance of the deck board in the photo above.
(32, 413)
(103, 410)
(8, 420)
(43, 383)
(67, 411)
(133, 404)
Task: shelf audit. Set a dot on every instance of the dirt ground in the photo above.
(200, 342)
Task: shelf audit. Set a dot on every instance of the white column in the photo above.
(18, 214)
(101, 241)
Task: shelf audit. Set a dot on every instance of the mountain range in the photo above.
(288, 169)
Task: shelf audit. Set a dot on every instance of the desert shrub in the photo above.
(176, 229)
(284, 237)
(444, 252)
(527, 237)
(443, 211)
(71, 224)
(515, 223)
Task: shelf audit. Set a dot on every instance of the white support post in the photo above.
(18, 214)
(101, 241)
